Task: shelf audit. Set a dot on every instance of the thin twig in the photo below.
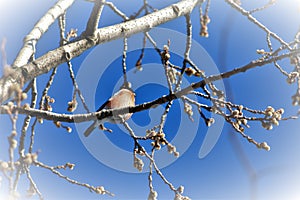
(77, 90)
(160, 173)
(150, 177)
(46, 89)
(3, 52)
(116, 10)
(132, 134)
(270, 3)
(32, 136)
(124, 56)
(62, 28)
(33, 184)
(28, 117)
(91, 188)
(256, 22)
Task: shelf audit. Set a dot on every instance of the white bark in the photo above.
(38, 30)
(56, 57)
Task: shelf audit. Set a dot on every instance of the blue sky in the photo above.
(219, 175)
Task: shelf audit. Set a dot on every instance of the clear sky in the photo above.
(233, 169)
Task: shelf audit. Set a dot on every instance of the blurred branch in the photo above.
(3, 53)
(270, 3)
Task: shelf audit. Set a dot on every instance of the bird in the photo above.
(125, 97)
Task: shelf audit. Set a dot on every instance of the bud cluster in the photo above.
(137, 162)
(72, 105)
(30, 158)
(152, 195)
(272, 117)
(204, 21)
(189, 110)
(47, 103)
(239, 119)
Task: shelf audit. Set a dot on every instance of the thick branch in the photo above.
(145, 106)
(53, 58)
(38, 30)
(94, 19)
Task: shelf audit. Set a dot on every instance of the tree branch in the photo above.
(94, 19)
(38, 30)
(56, 57)
(254, 20)
(164, 99)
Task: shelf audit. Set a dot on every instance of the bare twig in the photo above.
(270, 3)
(62, 28)
(28, 117)
(91, 188)
(124, 57)
(256, 22)
(152, 161)
(3, 53)
(160, 173)
(33, 184)
(116, 10)
(46, 89)
(76, 90)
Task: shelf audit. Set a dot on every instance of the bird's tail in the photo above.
(90, 129)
